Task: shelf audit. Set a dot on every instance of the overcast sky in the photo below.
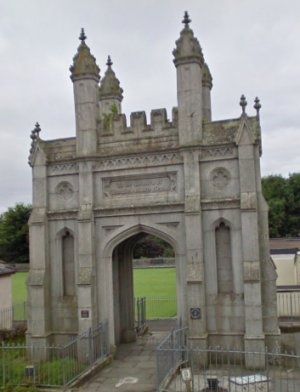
(252, 47)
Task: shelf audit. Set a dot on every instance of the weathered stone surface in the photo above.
(190, 181)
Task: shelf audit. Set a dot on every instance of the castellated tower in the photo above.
(189, 180)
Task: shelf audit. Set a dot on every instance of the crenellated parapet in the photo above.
(114, 128)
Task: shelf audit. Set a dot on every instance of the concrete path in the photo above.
(133, 368)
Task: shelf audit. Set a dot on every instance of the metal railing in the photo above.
(22, 364)
(14, 315)
(288, 304)
(181, 368)
(160, 307)
(170, 354)
(140, 314)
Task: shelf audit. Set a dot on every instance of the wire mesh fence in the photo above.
(22, 364)
(180, 368)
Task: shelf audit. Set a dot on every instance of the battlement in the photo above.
(113, 127)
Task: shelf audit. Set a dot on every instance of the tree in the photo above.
(275, 192)
(14, 235)
(283, 197)
(293, 204)
(150, 247)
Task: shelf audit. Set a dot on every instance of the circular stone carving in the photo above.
(220, 177)
(64, 190)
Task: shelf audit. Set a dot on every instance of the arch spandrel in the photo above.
(123, 234)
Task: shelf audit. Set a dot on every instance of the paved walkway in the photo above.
(133, 368)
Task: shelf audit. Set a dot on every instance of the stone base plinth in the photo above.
(255, 352)
(128, 336)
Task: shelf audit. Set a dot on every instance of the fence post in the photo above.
(144, 312)
(3, 363)
(90, 345)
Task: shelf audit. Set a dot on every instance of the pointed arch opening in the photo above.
(224, 258)
(68, 264)
(139, 269)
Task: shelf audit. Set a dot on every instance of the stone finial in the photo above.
(257, 106)
(206, 77)
(243, 103)
(188, 49)
(82, 36)
(110, 85)
(84, 63)
(186, 20)
(109, 63)
(35, 135)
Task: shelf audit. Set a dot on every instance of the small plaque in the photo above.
(84, 314)
(29, 371)
(195, 313)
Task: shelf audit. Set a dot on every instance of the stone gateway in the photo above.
(188, 180)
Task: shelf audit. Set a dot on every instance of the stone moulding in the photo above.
(63, 215)
(207, 154)
(138, 210)
(220, 204)
(137, 161)
(63, 168)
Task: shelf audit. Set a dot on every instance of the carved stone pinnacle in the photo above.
(109, 63)
(82, 36)
(186, 20)
(257, 105)
(243, 103)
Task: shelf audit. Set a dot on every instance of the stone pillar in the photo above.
(268, 270)
(254, 339)
(189, 60)
(85, 78)
(39, 299)
(86, 289)
(206, 88)
(196, 304)
(127, 319)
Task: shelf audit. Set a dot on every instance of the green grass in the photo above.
(19, 289)
(154, 282)
(158, 285)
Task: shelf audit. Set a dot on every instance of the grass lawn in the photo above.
(158, 285)
(154, 282)
(19, 289)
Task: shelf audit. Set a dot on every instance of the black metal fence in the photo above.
(181, 368)
(22, 364)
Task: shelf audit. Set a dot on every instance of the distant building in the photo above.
(285, 253)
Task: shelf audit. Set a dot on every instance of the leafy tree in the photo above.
(149, 246)
(293, 204)
(14, 237)
(275, 192)
(283, 196)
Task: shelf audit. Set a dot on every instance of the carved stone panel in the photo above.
(64, 190)
(220, 177)
(131, 185)
(219, 181)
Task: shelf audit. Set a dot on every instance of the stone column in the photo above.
(86, 289)
(127, 320)
(196, 309)
(39, 299)
(254, 336)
